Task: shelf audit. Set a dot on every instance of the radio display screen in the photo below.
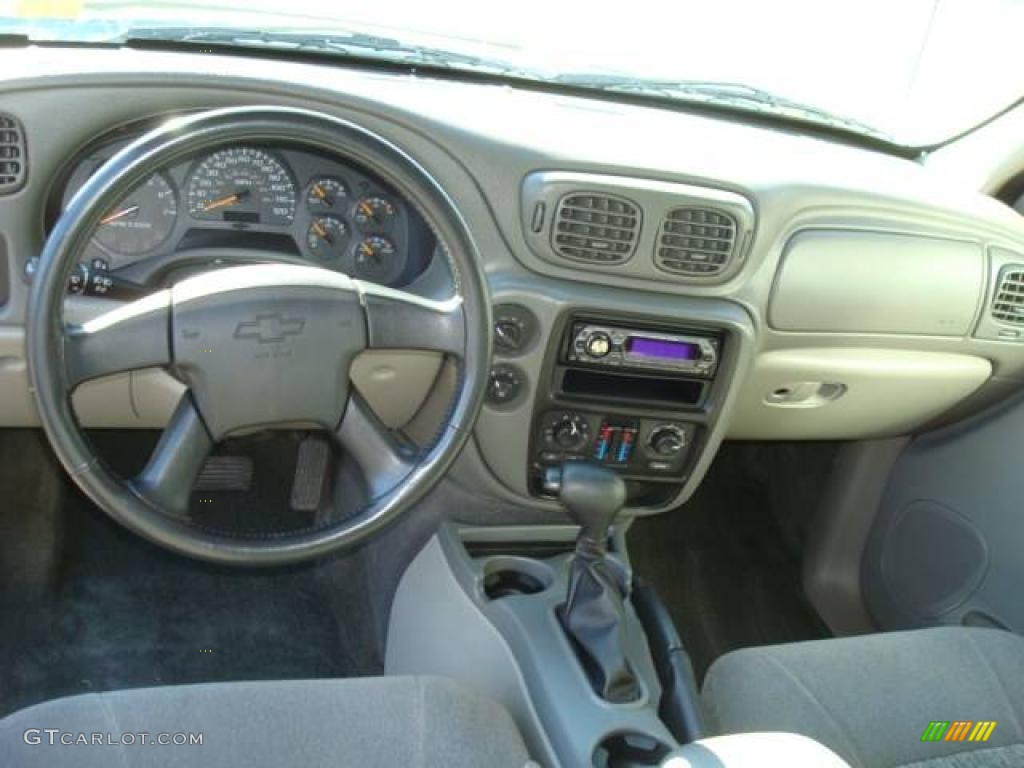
(662, 349)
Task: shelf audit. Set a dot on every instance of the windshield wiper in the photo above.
(361, 45)
(727, 94)
(14, 40)
(387, 51)
(356, 44)
(174, 36)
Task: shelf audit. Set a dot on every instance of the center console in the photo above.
(603, 404)
(629, 393)
(611, 688)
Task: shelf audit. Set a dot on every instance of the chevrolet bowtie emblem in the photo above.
(271, 328)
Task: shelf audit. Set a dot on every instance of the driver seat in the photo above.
(382, 721)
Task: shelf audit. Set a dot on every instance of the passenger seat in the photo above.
(871, 698)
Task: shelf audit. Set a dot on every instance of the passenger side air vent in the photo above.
(596, 227)
(1008, 301)
(12, 154)
(696, 241)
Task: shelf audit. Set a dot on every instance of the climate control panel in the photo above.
(640, 448)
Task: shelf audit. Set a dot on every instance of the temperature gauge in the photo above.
(326, 237)
(373, 213)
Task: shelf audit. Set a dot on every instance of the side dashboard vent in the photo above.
(596, 227)
(696, 241)
(1008, 301)
(12, 154)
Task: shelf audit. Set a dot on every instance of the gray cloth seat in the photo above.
(366, 722)
(871, 698)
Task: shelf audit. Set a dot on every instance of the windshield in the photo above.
(913, 72)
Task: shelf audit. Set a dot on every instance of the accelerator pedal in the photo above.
(225, 473)
(310, 473)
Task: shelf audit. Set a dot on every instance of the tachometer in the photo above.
(142, 221)
(242, 184)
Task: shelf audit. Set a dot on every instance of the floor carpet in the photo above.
(123, 613)
(726, 563)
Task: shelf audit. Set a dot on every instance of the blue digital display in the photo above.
(662, 349)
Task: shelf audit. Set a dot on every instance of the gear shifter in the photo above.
(594, 612)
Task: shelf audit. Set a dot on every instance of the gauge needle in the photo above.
(119, 214)
(231, 199)
(321, 194)
(319, 231)
(367, 210)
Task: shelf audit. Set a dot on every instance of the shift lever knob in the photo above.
(593, 497)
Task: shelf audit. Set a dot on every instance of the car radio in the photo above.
(637, 349)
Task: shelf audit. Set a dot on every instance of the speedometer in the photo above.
(242, 185)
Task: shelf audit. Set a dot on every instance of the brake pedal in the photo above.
(310, 472)
(225, 473)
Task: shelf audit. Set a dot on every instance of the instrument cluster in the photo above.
(295, 202)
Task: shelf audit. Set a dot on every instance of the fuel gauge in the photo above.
(326, 238)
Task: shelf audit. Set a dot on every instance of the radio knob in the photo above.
(667, 440)
(599, 344)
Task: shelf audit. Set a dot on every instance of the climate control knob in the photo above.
(570, 433)
(667, 440)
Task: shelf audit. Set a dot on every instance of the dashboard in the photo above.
(843, 293)
(300, 205)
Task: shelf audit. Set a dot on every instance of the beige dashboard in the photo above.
(867, 281)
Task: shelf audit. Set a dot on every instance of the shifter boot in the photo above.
(594, 612)
(592, 615)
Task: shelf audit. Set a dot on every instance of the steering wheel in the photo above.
(257, 345)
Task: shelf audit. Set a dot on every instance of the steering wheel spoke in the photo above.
(177, 460)
(127, 338)
(383, 461)
(402, 320)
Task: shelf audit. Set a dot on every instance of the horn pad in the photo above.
(260, 346)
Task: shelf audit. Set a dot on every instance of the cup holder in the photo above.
(509, 576)
(630, 749)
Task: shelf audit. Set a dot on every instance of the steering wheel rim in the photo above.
(54, 350)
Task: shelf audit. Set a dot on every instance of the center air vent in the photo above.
(696, 241)
(1008, 302)
(596, 228)
(12, 154)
